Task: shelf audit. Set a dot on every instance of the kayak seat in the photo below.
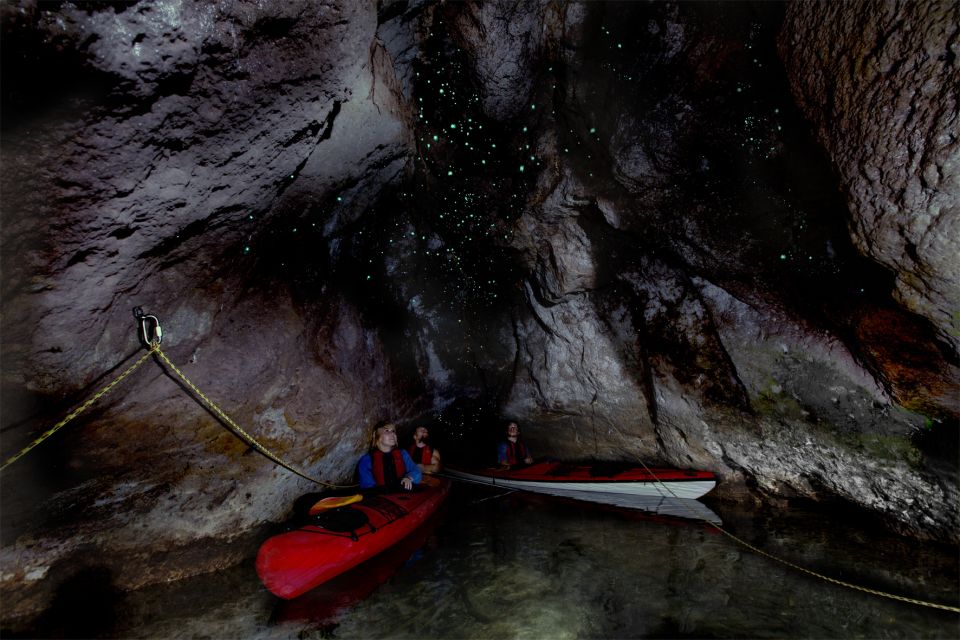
(561, 469)
(341, 520)
(609, 469)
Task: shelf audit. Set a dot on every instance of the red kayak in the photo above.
(292, 563)
(321, 605)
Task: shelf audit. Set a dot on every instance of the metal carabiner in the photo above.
(150, 332)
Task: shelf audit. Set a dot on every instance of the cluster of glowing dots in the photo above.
(472, 160)
(463, 135)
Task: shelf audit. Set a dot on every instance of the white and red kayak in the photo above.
(561, 478)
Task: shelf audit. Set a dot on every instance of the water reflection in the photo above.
(653, 505)
(531, 567)
(534, 566)
(321, 606)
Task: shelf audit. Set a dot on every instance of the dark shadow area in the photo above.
(468, 432)
(68, 85)
(85, 606)
(939, 441)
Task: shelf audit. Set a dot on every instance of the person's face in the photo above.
(388, 437)
(513, 430)
(421, 434)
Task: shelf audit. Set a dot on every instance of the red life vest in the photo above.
(421, 455)
(387, 470)
(516, 452)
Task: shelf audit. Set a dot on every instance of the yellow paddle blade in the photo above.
(333, 502)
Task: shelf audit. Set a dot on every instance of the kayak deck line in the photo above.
(544, 478)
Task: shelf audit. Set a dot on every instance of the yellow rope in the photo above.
(73, 414)
(246, 437)
(155, 349)
(849, 585)
(761, 552)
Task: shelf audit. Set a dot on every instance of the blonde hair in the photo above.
(378, 432)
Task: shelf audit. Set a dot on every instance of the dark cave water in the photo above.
(526, 566)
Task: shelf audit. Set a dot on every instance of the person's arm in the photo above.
(529, 458)
(365, 471)
(502, 453)
(434, 464)
(413, 470)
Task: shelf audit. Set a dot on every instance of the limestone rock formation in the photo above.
(880, 86)
(618, 223)
(197, 140)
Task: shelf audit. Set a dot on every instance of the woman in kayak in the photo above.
(513, 451)
(425, 456)
(385, 465)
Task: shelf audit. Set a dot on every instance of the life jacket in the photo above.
(388, 468)
(421, 455)
(517, 452)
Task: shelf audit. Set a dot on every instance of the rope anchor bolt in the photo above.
(151, 335)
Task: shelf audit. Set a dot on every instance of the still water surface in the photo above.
(525, 566)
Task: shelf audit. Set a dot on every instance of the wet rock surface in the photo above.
(623, 225)
(879, 90)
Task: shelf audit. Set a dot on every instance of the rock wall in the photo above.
(879, 86)
(610, 222)
(171, 174)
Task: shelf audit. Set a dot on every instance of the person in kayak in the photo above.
(423, 454)
(385, 465)
(513, 451)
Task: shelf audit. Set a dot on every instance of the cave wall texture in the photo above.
(712, 235)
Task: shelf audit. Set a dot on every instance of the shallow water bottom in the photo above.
(527, 566)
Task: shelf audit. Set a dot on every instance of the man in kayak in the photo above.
(385, 465)
(513, 451)
(425, 456)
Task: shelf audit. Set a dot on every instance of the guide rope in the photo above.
(849, 585)
(150, 336)
(80, 409)
(238, 430)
